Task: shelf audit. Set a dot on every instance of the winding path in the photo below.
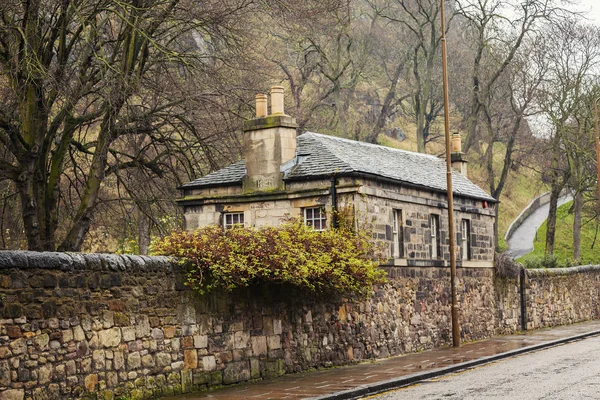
(521, 241)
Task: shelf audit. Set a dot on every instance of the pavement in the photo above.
(368, 378)
(521, 241)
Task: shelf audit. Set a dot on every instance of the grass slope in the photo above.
(564, 241)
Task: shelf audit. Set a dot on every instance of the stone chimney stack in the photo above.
(457, 157)
(269, 142)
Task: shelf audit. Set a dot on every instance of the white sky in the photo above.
(590, 8)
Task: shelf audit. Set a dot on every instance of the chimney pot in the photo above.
(261, 105)
(456, 143)
(277, 100)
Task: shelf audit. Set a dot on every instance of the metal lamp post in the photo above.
(454, 310)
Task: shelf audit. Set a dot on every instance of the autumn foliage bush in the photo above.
(335, 260)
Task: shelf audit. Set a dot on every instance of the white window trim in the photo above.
(465, 233)
(434, 221)
(231, 214)
(322, 217)
(397, 224)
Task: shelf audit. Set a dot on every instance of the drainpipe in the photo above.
(523, 299)
(334, 216)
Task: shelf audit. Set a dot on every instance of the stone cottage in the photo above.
(398, 194)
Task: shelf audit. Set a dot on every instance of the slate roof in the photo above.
(322, 155)
(230, 175)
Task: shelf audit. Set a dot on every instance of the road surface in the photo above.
(570, 371)
(521, 242)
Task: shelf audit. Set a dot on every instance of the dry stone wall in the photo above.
(562, 296)
(79, 325)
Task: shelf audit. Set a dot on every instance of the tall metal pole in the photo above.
(597, 147)
(455, 327)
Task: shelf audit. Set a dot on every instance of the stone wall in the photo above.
(562, 296)
(75, 324)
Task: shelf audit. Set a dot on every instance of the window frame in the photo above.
(322, 217)
(397, 233)
(434, 225)
(227, 225)
(466, 239)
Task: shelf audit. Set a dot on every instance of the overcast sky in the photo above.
(591, 9)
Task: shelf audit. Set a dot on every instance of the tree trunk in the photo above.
(551, 221)
(143, 232)
(89, 198)
(386, 108)
(496, 241)
(577, 211)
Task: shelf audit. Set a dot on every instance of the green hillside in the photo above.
(590, 241)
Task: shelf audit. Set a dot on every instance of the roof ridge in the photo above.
(366, 144)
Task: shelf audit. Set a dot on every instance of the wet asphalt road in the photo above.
(570, 371)
(521, 242)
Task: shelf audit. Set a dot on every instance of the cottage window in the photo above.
(398, 244)
(466, 242)
(232, 219)
(315, 217)
(435, 236)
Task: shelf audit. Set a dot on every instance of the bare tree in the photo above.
(82, 77)
(495, 24)
(572, 53)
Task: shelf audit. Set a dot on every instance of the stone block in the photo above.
(41, 341)
(78, 334)
(201, 341)
(268, 325)
(272, 369)
(4, 373)
(70, 367)
(44, 374)
(259, 345)
(118, 360)
(188, 342)
(276, 326)
(254, 368)
(241, 339)
(13, 332)
(112, 379)
(128, 333)
(177, 365)
(274, 342)
(186, 381)
(209, 363)
(5, 352)
(157, 334)
(163, 359)
(134, 360)
(142, 326)
(190, 358)
(110, 337)
(18, 346)
(216, 378)
(169, 331)
(12, 394)
(98, 360)
(236, 372)
(90, 382)
(148, 361)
